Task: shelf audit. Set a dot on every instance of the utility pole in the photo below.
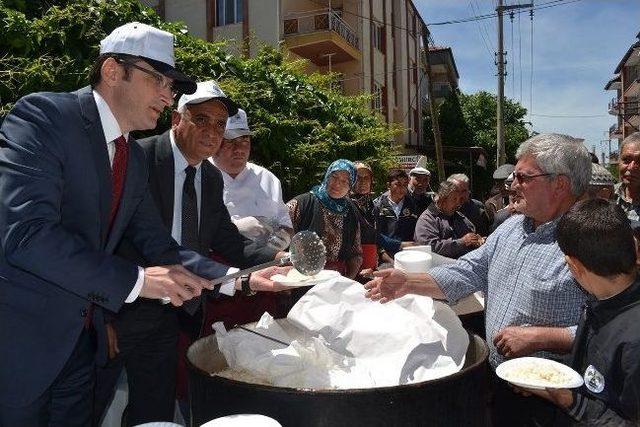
(607, 142)
(501, 155)
(435, 123)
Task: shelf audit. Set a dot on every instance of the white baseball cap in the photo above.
(420, 168)
(237, 125)
(207, 91)
(151, 45)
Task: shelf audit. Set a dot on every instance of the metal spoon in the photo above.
(262, 335)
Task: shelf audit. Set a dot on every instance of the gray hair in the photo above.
(458, 177)
(634, 138)
(558, 154)
(445, 189)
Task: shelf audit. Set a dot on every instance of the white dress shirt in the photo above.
(255, 192)
(179, 166)
(111, 130)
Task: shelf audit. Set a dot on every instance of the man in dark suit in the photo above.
(71, 188)
(144, 335)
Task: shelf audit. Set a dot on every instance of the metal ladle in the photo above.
(307, 253)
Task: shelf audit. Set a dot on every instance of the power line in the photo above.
(513, 63)
(520, 57)
(531, 65)
(479, 28)
(553, 3)
(383, 73)
(569, 116)
(485, 27)
(540, 6)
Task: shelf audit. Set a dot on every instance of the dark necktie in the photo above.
(118, 173)
(190, 225)
(189, 211)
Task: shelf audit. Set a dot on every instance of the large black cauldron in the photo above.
(456, 400)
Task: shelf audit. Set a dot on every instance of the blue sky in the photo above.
(576, 48)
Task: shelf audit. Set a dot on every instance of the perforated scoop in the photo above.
(308, 253)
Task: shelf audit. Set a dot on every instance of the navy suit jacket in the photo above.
(56, 252)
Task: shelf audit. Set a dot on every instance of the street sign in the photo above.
(408, 162)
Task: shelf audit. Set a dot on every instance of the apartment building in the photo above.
(444, 73)
(626, 83)
(374, 45)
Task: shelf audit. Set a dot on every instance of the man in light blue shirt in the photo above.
(533, 303)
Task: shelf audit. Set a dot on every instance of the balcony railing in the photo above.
(627, 108)
(319, 20)
(614, 107)
(615, 131)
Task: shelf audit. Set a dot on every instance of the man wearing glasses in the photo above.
(533, 303)
(72, 186)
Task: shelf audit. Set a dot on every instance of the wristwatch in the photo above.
(244, 284)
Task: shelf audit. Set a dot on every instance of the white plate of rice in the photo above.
(538, 373)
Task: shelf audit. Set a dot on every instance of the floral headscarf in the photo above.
(339, 206)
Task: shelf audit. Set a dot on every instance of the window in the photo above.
(290, 26)
(395, 89)
(228, 12)
(377, 36)
(414, 72)
(377, 97)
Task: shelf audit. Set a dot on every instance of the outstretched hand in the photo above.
(387, 285)
(261, 279)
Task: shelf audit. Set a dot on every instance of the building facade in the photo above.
(444, 73)
(626, 83)
(374, 45)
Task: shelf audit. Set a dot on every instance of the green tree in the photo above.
(479, 111)
(301, 124)
(470, 120)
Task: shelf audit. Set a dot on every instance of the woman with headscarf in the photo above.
(327, 210)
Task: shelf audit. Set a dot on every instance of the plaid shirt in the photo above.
(632, 210)
(524, 277)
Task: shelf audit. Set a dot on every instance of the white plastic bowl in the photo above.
(412, 261)
(243, 420)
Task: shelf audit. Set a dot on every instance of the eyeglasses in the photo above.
(207, 122)
(522, 178)
(161, 81)
(241, 143)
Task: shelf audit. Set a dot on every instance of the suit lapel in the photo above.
(100, 155)
(164, 174)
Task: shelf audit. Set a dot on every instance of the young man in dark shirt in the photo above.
(396, 215)
(598, 244)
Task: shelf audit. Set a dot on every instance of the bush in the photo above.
(300, 124)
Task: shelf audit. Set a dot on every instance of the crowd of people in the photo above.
(109, 246)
